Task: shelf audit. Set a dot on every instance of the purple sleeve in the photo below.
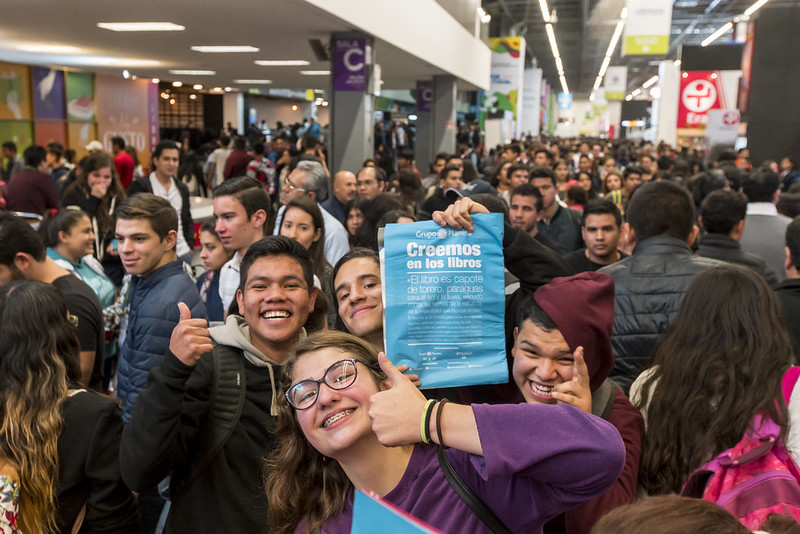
(540, 459)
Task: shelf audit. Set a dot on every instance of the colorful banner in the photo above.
(123, 110)
(424, 96)
(79, 134)
(48, 93)
(49, 131)
(616, 83)
(15, 91)
(647, 28)
(444, 301)
(505, 87)
(531, 102)
(80, 96)
(349, 64)
(700, 91)
(20, 132)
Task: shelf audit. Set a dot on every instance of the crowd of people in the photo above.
(652, 315)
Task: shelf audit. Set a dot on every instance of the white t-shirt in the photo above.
(219, 157)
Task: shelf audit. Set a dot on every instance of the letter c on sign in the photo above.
(348, 62)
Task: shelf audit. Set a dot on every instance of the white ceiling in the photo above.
(280, 28)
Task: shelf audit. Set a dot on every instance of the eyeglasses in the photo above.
(341, 375)
(292, 187)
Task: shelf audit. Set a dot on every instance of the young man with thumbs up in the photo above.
(208, 412)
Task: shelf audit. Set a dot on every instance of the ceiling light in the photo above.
(752, 9)
(717, 34)
(559, 65)
(628, 98)
(217, 90)
(177, 84)
(676, 63)
(49, 49)
(612, 45)
(134, 77)
(552, 37)
(282, 62)
(637, 92)
(624, 14)
(315, 72)
(563, 81)
(650, 82)
(225, 49)
(126, 74)
(172, 101)
(155, 80)
(591, 97)
(655, 92)
(545, 10)
(228, 89)
(325, 104)
(141, 26)
(180, 72)
(197, 86)
(254, 82)
(484, 16)
(615, 38)
(193, 97)
(603, 67)
(294, 107)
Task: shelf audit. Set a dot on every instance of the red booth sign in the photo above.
(700, 92)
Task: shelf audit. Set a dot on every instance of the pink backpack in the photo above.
(754, 478)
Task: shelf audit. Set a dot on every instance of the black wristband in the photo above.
(439, 422)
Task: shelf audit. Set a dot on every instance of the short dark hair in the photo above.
(34, 155)
(55, 148)
(225, 140)
(792, 241)
(529, 310)
(527, 190)
(16, 235)
(248, 191)
(516, 167)
(406, 153)
(446, 170)
(543, 151)
(441, 155)
(492, 202)
(277, 245)
(789, 204)
(118, 141)
(55, 221)
(11, 145)
(601, 206)
(164, 145)
(632, 169)
(239, 143)
(543, 172)
(513, 148)
(760, 185)
(721, 210)
(704, 183)
(380, 174)
(258, 148)
(661, 208)
(162, 216)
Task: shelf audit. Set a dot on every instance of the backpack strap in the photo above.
(603, 398)
(474, 502)
(227, 401)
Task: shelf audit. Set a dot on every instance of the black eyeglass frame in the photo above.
(324, 380)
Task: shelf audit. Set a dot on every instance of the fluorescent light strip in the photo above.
(563, 83)
(315, 72)
(282, 62)
(717, 34)
(225, 49)
(545, 11)
(141, 26)
(193, 72)
(559, 65)
(610, 50)
(752, 9)
(650, 82)
(256, 82)
(49, 49)
(552, 37)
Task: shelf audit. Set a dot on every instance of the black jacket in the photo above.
(727, 249)
(649, 287)
(142, 185)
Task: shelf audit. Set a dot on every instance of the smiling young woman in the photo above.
(350, 419)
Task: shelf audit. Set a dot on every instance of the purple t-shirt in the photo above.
(539, 461)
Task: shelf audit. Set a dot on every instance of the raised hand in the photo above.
(576, 391)
(190, 338)
(458, 214)
(396, 411)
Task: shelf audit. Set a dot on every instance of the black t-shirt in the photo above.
(577, 260)
(83, 303)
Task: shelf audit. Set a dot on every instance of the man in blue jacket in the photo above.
(147, 231)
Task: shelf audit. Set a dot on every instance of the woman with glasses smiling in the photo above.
(349, 419)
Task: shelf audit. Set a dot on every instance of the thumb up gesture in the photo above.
(190, 338)
(396, 410)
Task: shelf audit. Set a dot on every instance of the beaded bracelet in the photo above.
(424, 424)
